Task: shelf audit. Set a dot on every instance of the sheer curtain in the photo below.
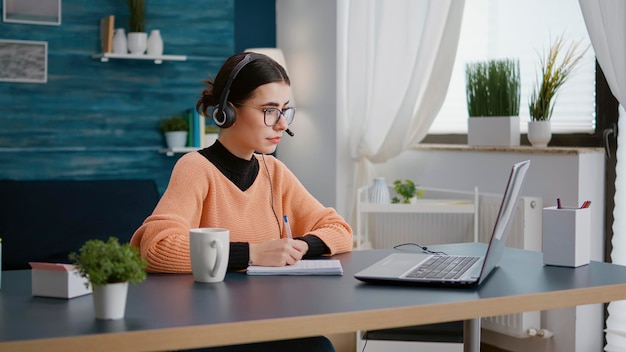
(395, 60)
(607, 29)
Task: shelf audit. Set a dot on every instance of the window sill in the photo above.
(505, 149)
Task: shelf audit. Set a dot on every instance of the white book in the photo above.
(302, 267)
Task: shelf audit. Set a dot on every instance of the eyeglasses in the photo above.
(272, 115)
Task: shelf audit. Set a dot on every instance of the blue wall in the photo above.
(95, 120)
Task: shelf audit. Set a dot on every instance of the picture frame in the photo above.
(23, 61)
(42, 12)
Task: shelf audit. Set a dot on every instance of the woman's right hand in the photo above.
(281, 252)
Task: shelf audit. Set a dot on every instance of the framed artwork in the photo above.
(23, 61)
(46, 12)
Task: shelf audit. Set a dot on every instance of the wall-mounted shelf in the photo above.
(172, 151)
(104, 57)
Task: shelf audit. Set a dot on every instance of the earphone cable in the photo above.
(271, 195)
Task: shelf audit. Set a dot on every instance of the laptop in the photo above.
(428, 269)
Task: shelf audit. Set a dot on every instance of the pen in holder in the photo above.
(566, 236)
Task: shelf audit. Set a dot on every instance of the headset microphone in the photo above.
(289, 132)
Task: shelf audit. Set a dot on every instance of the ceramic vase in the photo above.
(119, 42)
(110, 300)
(539, 133)
(379, 192)
(176, 139)
(155, 43)
(137, 43)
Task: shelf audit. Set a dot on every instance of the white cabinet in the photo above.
(434, 201)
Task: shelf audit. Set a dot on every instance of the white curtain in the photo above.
(606, 24)
(395, 61)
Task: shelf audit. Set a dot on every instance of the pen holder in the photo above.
(566, 236)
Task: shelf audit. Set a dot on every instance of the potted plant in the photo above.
(175, 129)
(211, 132)
(553, 75)
(407, 190)
(137, 37)
(493, 99)
(109, 267)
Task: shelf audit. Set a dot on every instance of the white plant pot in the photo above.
(176, 139)
(109, 300)
(210, 138)
(539, 133)
(137, 43)
(493, 131)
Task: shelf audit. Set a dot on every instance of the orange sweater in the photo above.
(199, 195)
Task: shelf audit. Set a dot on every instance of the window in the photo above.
(522, 30)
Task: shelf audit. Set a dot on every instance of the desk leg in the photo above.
(471, 335)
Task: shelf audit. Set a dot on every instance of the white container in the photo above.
(119, 42)
(155, 43)
(539, 133)
(566, 236)
(57, 280)
(110, 300)
(379, 192)
(137, 43)
(493, 131)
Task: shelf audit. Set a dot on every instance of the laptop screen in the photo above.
(504, 219)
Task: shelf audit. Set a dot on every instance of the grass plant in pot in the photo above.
(175, 129)
(543, 97)
(137, 37)
(493, 100)
(109, 267)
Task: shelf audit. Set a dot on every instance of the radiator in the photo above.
(389, 229)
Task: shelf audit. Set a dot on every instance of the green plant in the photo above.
(136, 17)
(407, 190)
(493, 88)
(174, 123)
(109, 262)
(553, 76)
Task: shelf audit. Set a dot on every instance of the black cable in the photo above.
(272, 196)
(423, 248)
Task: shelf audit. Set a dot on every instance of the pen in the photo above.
(558, 203)
(586, 204)
(287, 227)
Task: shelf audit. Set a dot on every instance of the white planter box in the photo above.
(493, 131)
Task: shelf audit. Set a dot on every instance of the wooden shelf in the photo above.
(104, 57)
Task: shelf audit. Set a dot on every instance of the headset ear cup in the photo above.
(224, 117)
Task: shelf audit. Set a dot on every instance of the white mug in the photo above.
(209, 249)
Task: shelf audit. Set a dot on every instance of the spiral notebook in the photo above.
(302, 267)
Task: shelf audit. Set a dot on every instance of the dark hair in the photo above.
(254, 74)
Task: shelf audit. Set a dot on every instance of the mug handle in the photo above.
(218, 257)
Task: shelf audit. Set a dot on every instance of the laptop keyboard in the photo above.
(443, 267)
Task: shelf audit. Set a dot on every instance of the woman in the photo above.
(229, 185)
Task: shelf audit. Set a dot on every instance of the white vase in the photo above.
(119, 42)
(539, 133)
(379, 192)
(155, 43)
(176, 139)
(137, 43)
(109, 300)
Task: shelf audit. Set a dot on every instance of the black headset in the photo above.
(224, 114)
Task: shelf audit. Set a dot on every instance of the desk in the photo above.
(173, 312)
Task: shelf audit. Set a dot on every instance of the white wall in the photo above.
(306, 31)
